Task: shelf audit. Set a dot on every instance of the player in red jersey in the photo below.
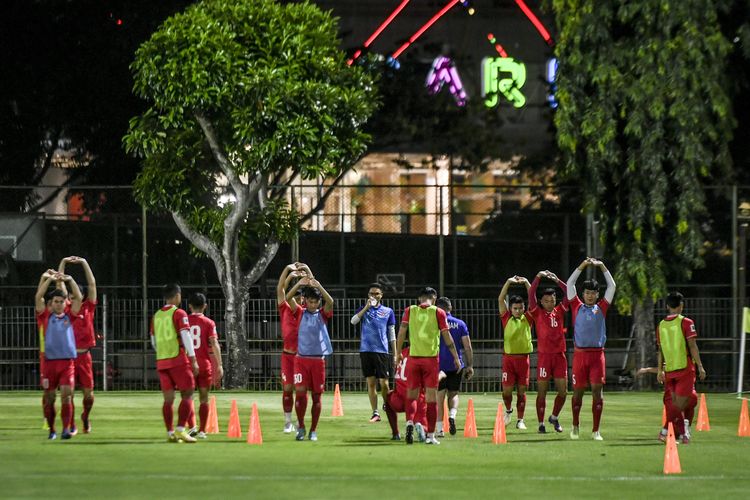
(175, 361)
(83, 328)
(689, 411)
(207, 349)
(290, 304)
(396, 400)
(677, 361)
(57, 342)
(550, 334)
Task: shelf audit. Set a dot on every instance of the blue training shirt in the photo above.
(313, 335)
(458, 330)
(374, 331)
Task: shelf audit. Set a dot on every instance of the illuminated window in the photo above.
(503, 76)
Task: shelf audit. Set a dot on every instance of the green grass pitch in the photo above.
(127, 455)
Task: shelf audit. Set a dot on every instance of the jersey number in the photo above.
(542, 372)
(195, 332)
(297, 378)
(401, 373)
(553, 321)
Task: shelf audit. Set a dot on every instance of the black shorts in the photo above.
(452, 381)
(375, 364)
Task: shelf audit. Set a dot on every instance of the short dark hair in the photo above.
(549, 291)
(300, 291)
(515, 299)
(428, 292)
(674, 299)
(170, 290)
(197, 300)
(444, 303)
(591, 285)
(312, 293)
(56, 293)
(375, 285)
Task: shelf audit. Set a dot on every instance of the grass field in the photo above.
(127, 455)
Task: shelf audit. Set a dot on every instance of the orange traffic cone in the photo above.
(234, 431)
(744, 428)
(212, 427)
(671, 458)
(254, 434)
(338, 409)
(703, 424)
(498, 435)
(470, 427)
(446, 424)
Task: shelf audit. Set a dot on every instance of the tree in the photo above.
(245, 97)
(644, 122)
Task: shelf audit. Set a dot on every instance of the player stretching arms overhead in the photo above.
(204, 336)
(58, 345)
(590, 334)
(516, 349)
(550, 335)
(83, 328)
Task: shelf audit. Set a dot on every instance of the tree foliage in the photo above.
(644, 123)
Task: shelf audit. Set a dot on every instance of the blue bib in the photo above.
(59, 340)
(313, 336)
(590, 327)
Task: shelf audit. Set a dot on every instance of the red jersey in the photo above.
(400, 376)
(688, 331)
(180, 322)
(290, 325)
(202, 330)
(83, 325)
(550, 331)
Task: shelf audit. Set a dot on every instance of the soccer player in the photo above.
(449, 377)
(57, 342)
(378, 334)
(424, 324)
(679, 353)
(203, 334)
(589, 335)
(396, 400)
(83, 328)
(290, 309)
(550, 336)
(689, 411)
(175, 362)
(314, 344)
(516, 349)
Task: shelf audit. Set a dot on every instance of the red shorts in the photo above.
(179, 377)
(84, 371)
(588, 368)
(681, 383)
(58, 372)
(422, 372)
(205, 374)
(397, 402)
(287, 368)
(310, 373)
(515, 369)
(551, 365)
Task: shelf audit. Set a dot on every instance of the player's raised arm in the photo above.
(40, 304)
(327, 299)
(609, 293)
(76, 298)
(574, 277)
(283, 283)
(502, 305)
(60, 284)
(534, 286)
(90, 280)
(563, 287)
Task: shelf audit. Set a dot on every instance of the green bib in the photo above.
(517, 336)
(424, 333)
(167, 346)
(673, 345)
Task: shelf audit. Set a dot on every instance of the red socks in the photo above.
(287, 401)
(315, 410)
(541, 406)
(521, 405)
(392, 418)
(559, 402)
(203, 411)
(597, 406)
(87, 404)
(431, 416)
(67, 415)
(300, 406)
(168, 414)
(184, 411)
(576, 410)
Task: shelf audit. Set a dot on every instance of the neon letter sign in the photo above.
(503, 75)
(444, 71)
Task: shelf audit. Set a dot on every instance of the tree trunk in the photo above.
(645, 340)
(238, 352)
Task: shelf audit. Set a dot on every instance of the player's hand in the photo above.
(399, 359)
(292, 267)
(194, 364)
(660, 376)
(468, 373)
(701, 372)
(218, 375)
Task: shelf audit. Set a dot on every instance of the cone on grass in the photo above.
(498, 435)
(743, 430)
(470, 428)
(234, 430)
(338, 409)
(671, 458)
(254, 434)
(212, 426)
(703, 423)
(446, 424)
